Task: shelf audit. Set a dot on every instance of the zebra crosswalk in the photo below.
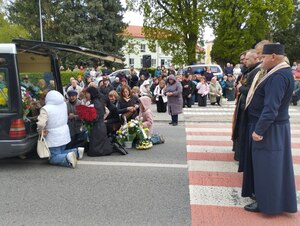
(215, 184)
(215, 113)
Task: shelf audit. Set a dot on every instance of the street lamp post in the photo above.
(41, 23)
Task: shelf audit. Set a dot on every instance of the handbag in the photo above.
(157, 139)
(42, 147)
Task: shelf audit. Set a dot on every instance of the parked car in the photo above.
(125, 71)
(215, 69)
(28, 69)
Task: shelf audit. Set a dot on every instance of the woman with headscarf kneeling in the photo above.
(100, 144)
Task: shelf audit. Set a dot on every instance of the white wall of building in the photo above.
(158, 58)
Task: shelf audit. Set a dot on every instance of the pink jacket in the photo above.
(146, 113)
(202, 88)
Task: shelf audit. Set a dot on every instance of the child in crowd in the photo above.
(146, 113)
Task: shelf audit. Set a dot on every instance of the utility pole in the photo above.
(41, 22)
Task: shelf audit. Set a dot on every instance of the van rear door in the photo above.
(46, 47)
(10, 101)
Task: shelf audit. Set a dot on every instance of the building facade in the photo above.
(137, 46)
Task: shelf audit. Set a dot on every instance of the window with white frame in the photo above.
(143, 48)
(153, 62)
(131, 61)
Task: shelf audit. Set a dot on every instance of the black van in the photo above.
(28, 69)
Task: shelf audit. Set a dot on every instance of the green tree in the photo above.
(9, 31)
(290, 36)
(240, 24)
(175, 25)
(90, 23)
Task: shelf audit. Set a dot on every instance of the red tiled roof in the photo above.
(134, 31)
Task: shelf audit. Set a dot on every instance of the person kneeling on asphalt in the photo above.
(74, 122)
(53, 119)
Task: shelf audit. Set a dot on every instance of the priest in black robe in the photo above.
(269, 156)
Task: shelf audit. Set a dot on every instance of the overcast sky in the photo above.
(134, 18)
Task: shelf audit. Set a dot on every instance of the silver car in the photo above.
(125, 71)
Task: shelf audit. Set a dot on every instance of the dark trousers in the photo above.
(174, 118)
(218, 101)
(202, 100)
(295, 100)
(160, 105)
(77, 140)
(187, 101)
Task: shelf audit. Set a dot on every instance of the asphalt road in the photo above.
(142, 188)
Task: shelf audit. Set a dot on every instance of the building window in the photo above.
(162, 62)
(153, 62)
(131, 61)
(143, 48)
(141, 62)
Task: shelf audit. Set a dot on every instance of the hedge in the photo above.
(65, 76)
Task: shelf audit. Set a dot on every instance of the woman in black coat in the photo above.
(128, 105)
(99, 144)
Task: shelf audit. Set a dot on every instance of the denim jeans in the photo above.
(59, 155)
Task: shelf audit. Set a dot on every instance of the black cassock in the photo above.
(99, 144)
(268, 170)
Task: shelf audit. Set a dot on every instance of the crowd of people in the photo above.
(263, 86)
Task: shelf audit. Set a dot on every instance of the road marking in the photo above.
(236, 216)
(133, 164)
(225, 113)
(209, 129)
(215, 184)
(211, 149)
(294, 140)
(212, 166)
(219, 196)
(221, 166)
(219, 109)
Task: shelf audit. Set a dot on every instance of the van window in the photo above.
(4, 95)
(36, 80)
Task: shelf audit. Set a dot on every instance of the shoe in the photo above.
(170, 123)
(80, 152)
(253, 197)
(174, 123)
(253, 207)
(71, 158)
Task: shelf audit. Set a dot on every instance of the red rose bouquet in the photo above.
(87, 115)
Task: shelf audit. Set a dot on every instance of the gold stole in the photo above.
(259, 78)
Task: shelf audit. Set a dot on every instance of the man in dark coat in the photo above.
(144, 72)
(240, 121)
(269, 137)
(74, 122)
(187, 91)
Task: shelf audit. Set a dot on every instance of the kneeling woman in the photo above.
(128, 105)
(53, 121)
(99, 144)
